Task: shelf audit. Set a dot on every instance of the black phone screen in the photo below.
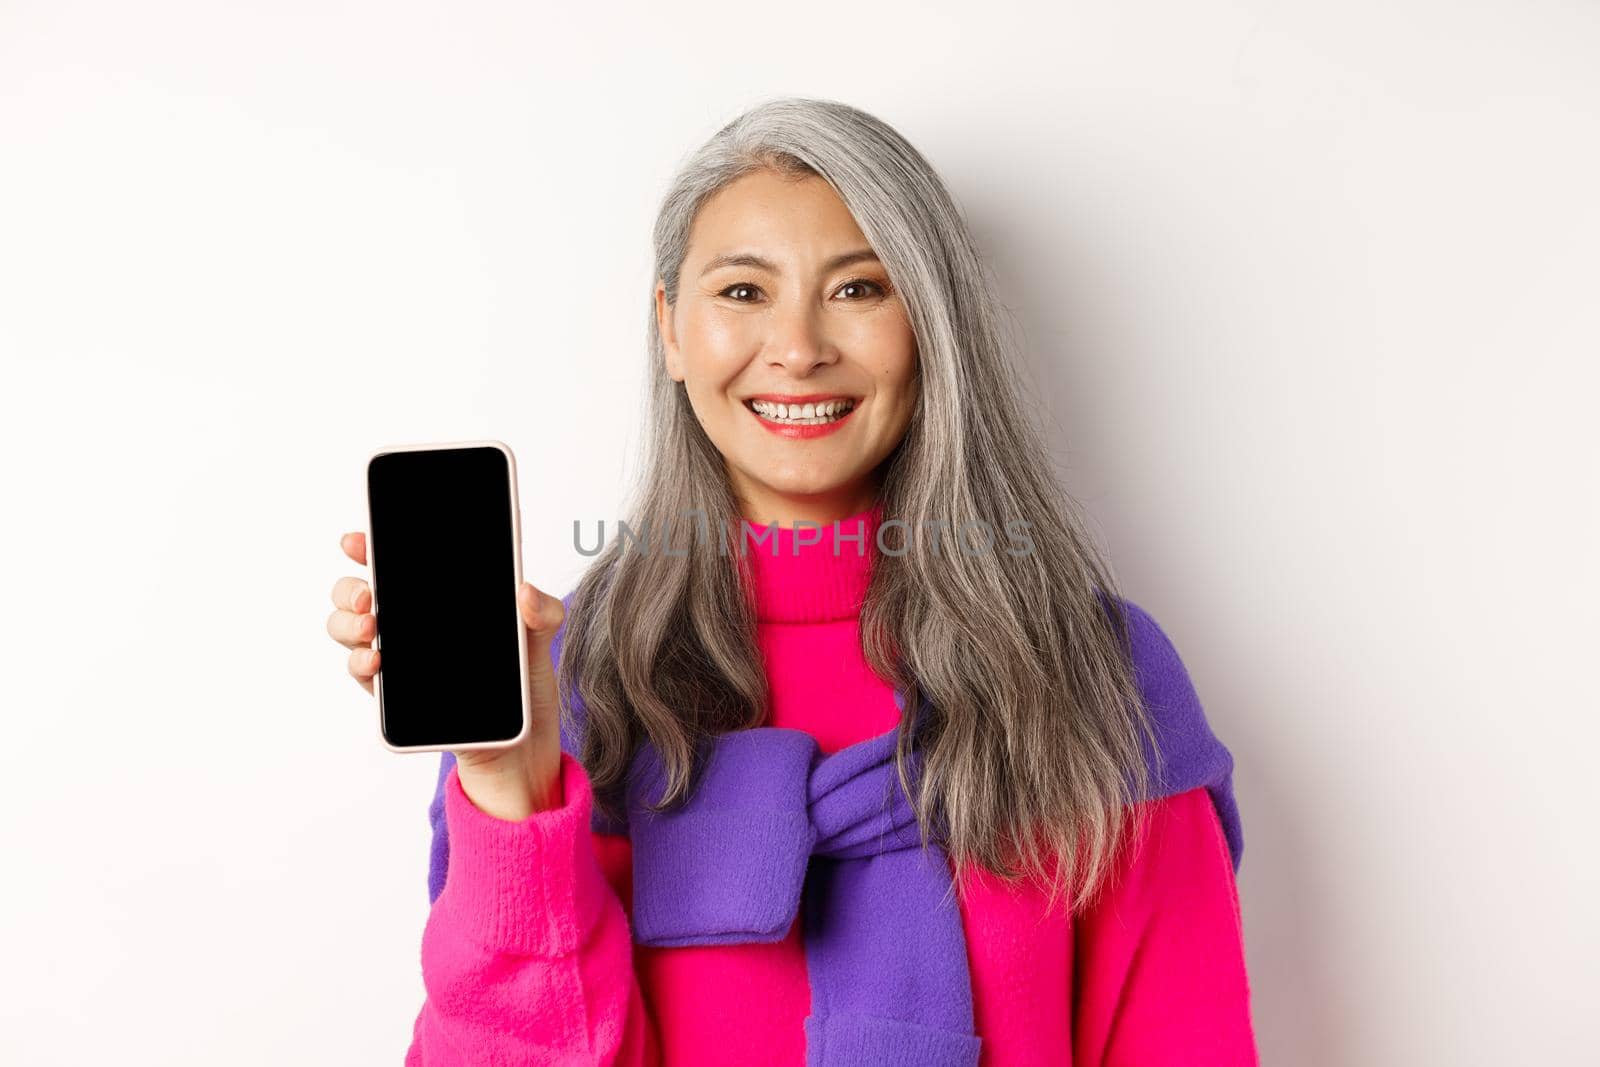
(444, 585)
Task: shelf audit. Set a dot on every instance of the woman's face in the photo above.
(781, 300)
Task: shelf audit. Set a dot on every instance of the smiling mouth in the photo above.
(807, 414)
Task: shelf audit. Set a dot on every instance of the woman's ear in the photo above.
(669, 335)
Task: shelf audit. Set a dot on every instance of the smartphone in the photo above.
(444, 551)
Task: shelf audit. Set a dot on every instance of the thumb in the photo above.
(541, 613)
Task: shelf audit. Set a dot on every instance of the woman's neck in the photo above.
(764, 508)
(809, 573)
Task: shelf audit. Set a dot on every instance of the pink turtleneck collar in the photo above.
(812, 584)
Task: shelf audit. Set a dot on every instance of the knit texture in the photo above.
(528, 956)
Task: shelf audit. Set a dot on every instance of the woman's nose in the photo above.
(798, 341)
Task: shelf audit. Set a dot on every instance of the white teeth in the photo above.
(803, 414)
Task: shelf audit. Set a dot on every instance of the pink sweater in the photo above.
(527, 956)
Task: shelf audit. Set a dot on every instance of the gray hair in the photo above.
(1032, 753)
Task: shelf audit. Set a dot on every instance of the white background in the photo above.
(1312, 294)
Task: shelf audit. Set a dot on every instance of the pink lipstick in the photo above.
(801, 417)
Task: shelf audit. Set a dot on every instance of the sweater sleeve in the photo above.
(1158, 957)
(527, 956)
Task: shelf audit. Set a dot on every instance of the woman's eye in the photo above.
(859, 284)
(737, 288)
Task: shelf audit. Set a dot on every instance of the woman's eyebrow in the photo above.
(750, 259)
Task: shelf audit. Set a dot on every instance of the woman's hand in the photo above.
(508, 783)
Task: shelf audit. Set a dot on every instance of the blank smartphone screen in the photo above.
(444, 579)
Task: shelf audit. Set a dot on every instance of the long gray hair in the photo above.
(1032, 755)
